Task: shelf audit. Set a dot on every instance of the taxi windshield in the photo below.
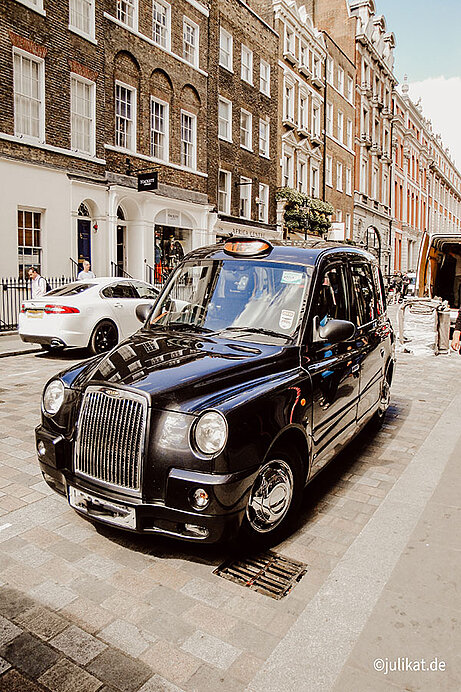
(241, 298)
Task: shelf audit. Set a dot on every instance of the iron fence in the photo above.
(12, 292)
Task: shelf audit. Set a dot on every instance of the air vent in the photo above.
(271, 574)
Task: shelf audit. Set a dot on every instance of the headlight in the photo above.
(210, 432)
(53, 396)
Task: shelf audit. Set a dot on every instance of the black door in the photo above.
(334, 368)
(84, 240)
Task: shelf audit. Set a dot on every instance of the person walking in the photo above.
(86, 272)
(457, 333)
(38, 283)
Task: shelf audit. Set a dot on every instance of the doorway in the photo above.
(83, 235)
(121, 243)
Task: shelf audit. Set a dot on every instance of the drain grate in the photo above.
(271, 574)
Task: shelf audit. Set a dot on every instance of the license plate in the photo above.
(35, 313)
(103, 510)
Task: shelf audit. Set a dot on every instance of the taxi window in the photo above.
(330, 301)
(364, 293)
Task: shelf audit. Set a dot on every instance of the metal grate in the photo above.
(110, 441)
(271, 574)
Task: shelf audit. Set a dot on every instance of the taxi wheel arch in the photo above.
(104, 331)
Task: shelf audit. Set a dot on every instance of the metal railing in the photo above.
(74, 269)
(158, 275)
(13, 291)
(116, 270)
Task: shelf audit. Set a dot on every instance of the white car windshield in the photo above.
(246, 297)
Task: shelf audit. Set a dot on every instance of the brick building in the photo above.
(94, 92)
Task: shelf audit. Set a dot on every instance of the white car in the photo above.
(96, 313)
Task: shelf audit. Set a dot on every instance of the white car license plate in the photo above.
(35, 313)
(104, 510)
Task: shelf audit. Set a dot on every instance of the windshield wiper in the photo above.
(255, 330)
(187, 325)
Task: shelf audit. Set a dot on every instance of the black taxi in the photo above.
(257, 364)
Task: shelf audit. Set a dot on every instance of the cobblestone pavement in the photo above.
(85, 609)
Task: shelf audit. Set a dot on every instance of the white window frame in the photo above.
(364, 175)
(289, 40)
(303, 111)
(348, 186)
(340, 126)
(264, 77)
(287, 168)
(74, 5)
(315, 126)
(245, 187)
(133, 119)
(128, 3)
(330, 70)
(246, 130)
(263, 206)
(193, 143)
(304, 56)
(165, 134)
(164, 30)
(264, 129)
(315, 180)
(350, 89)
(349, 133)
(329, 170)
(17, 52)
(289, 101)
(186, 22)
(339, 176)
(374, 182)
(339, 215)
(246, 67)
(302, 175)
(340, 78)
(225, 102)
(226, 192)
(347, 227)
(36, 5)
(329, 118)
(227, 50)
(91, 151)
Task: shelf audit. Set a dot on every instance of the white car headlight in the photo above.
(53, 396)
(210, 432)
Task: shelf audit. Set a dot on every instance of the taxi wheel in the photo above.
(384, 402)
(104, 337)
(275, 498)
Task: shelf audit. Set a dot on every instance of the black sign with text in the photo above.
(147, 181)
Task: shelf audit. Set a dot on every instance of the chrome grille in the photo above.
(111, 434)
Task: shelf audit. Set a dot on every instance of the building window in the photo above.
(29, 96)
(81, 16)
(304, 57)
(329, 117)
(190, 45)
(315, 119)
(127, 12)
(329, 70)
(161, 12)
(374, 183)
(314, 181)
(287, 170)
(289, 102)
(245, 197)
(35, 4)
(225, 49)
(29, 241)
(348, 181)
(188, 140)
(317, 67)
(159, 130)
(247, 65)
(340, 80)
(289, 40)
(339, 215)
(263, 206)
(339, 177)
(340, 126)
(125, 116)
(302, 176)
(246, 121)
(82, 109)
(364, 176)
(303, 111)
(225, 119)
(348, 235)
(224, 192)
(349, 133)
(263, 138)
(265, 77)
(329, 170)
(350, 89)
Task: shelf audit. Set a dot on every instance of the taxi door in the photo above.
(334, 368)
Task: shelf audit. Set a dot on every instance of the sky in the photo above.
(428, 50)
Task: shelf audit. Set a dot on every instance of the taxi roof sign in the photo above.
(247, 247)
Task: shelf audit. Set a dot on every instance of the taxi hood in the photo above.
(187, 372)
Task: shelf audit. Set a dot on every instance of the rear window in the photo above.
(70, 289)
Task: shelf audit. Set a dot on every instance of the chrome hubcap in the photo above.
(270, 496)
(385, 397)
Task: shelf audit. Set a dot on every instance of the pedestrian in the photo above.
(38, 283)
(405, 283)
(457, 333)
(158, 261)
(86, 272)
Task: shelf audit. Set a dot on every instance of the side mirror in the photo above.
(333, 331)
(143, 312)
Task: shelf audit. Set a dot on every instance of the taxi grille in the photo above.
(110, 440)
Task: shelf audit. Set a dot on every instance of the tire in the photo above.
(274, 499)
(384, 402)
(104, 337)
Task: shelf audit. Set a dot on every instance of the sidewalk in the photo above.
(12, 345)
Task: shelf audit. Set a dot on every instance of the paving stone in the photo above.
(8, 631)
(114, 668)
(124, 636)
(170, 662)
(13, 602)
(159, 684)
(42, 622)
(96, 590)
(13, 681)
(53, 595)
(211, 650)
(202, 590)
(210, 620)
(245, 667)
(78, 644)
(209, 678)
(169, 599)
(88, 614)
(258, 642)
(29, 654)
(98, 566)
(68, 550)
(65, 676)
(4, 665)
(167, 626)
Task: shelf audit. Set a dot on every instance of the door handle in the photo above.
(118, 305)
(355, 368)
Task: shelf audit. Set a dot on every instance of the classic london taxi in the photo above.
(257, 364)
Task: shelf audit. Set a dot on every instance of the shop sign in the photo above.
(147, 181)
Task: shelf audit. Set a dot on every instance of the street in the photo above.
(86, 608)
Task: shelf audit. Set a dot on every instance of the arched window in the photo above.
(120, 214)
(83, 210)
